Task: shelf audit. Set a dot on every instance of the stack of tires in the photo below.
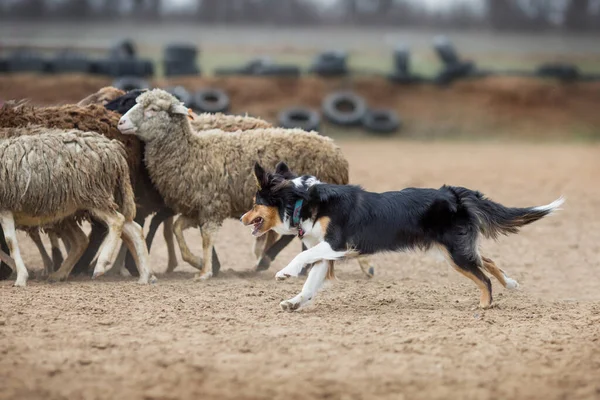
(330, 63)
(122, 61)
(345, 108)
(180, 59)
(402, 73)
(453, 68)
(262, 66)
(25, 60)
(69, 61)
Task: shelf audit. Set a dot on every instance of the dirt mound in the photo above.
(515, 107)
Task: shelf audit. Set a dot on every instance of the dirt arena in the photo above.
(410, 332)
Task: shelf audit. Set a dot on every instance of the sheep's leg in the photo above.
(269, 255)
(130, 262)
(10, 234)
(7, 266)
(119, 263)
(133, 236)
(78, 242)
(208, 231)
(57, 257)
(165, 215)
(179, 226)
(114, 222)
(168, 235)
(34, 234)
(95, 241)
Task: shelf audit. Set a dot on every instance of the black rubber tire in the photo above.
(333, 104)
(299, 117)
(182, 94)
(130, 67)
(123, 49)
(180, 52)
(128, 83)
(278, 70)
(179, 68)
(561, 71)
(26, 61)
(381, 121)
(69, 61)
(330, 63)
(454, 72)
(211, 101)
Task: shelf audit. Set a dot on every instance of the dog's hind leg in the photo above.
(468, 264)
(490, 266)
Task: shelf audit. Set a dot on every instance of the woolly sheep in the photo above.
(50, 176)
(93, 118)
(214, 170)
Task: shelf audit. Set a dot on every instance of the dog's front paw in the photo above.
(282, 275)
(289, 305)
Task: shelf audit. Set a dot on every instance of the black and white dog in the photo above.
(341, 221)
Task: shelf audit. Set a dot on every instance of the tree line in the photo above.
(514, 15)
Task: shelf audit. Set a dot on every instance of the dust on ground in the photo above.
(410, 332)
(512, 107)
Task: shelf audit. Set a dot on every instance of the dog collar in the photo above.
(296, 213)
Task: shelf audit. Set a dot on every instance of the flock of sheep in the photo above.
(67, 164)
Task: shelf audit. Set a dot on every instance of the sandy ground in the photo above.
(410, 332)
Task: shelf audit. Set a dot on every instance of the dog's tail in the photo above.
(493, 218)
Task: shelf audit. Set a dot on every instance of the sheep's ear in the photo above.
(262, 177)
(282, 168)
(191, 114)
(179, 109)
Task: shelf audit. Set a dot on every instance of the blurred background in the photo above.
(527, 69)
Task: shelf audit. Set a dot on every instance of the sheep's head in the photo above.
(156, 110)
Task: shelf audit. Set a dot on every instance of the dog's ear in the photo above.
(262, 177)
(282, 168)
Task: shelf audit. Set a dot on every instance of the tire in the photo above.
(182, 94)
(181, 52)
(130, 67)
(128, 83)
(69, 61)
(334, 104)
(123, 49)
(26, 61)
(330, 63)
(179, 68)
(454, 72)
(381, 121)
(211, 101)
(563, 72)
(278, 70)
(299, 117)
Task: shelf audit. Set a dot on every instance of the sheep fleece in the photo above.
(208, 176)
(94, 118)
(50, 172)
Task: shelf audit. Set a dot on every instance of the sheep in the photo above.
(102, 96)
(91, 118)
(52, 177)
(214, 169)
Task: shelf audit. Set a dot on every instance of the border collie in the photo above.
(342, 221)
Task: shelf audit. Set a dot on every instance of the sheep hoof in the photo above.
(19, 283)
(54, 277)
(203, 277)
(97, 274)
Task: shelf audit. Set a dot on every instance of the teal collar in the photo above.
(296, 213)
